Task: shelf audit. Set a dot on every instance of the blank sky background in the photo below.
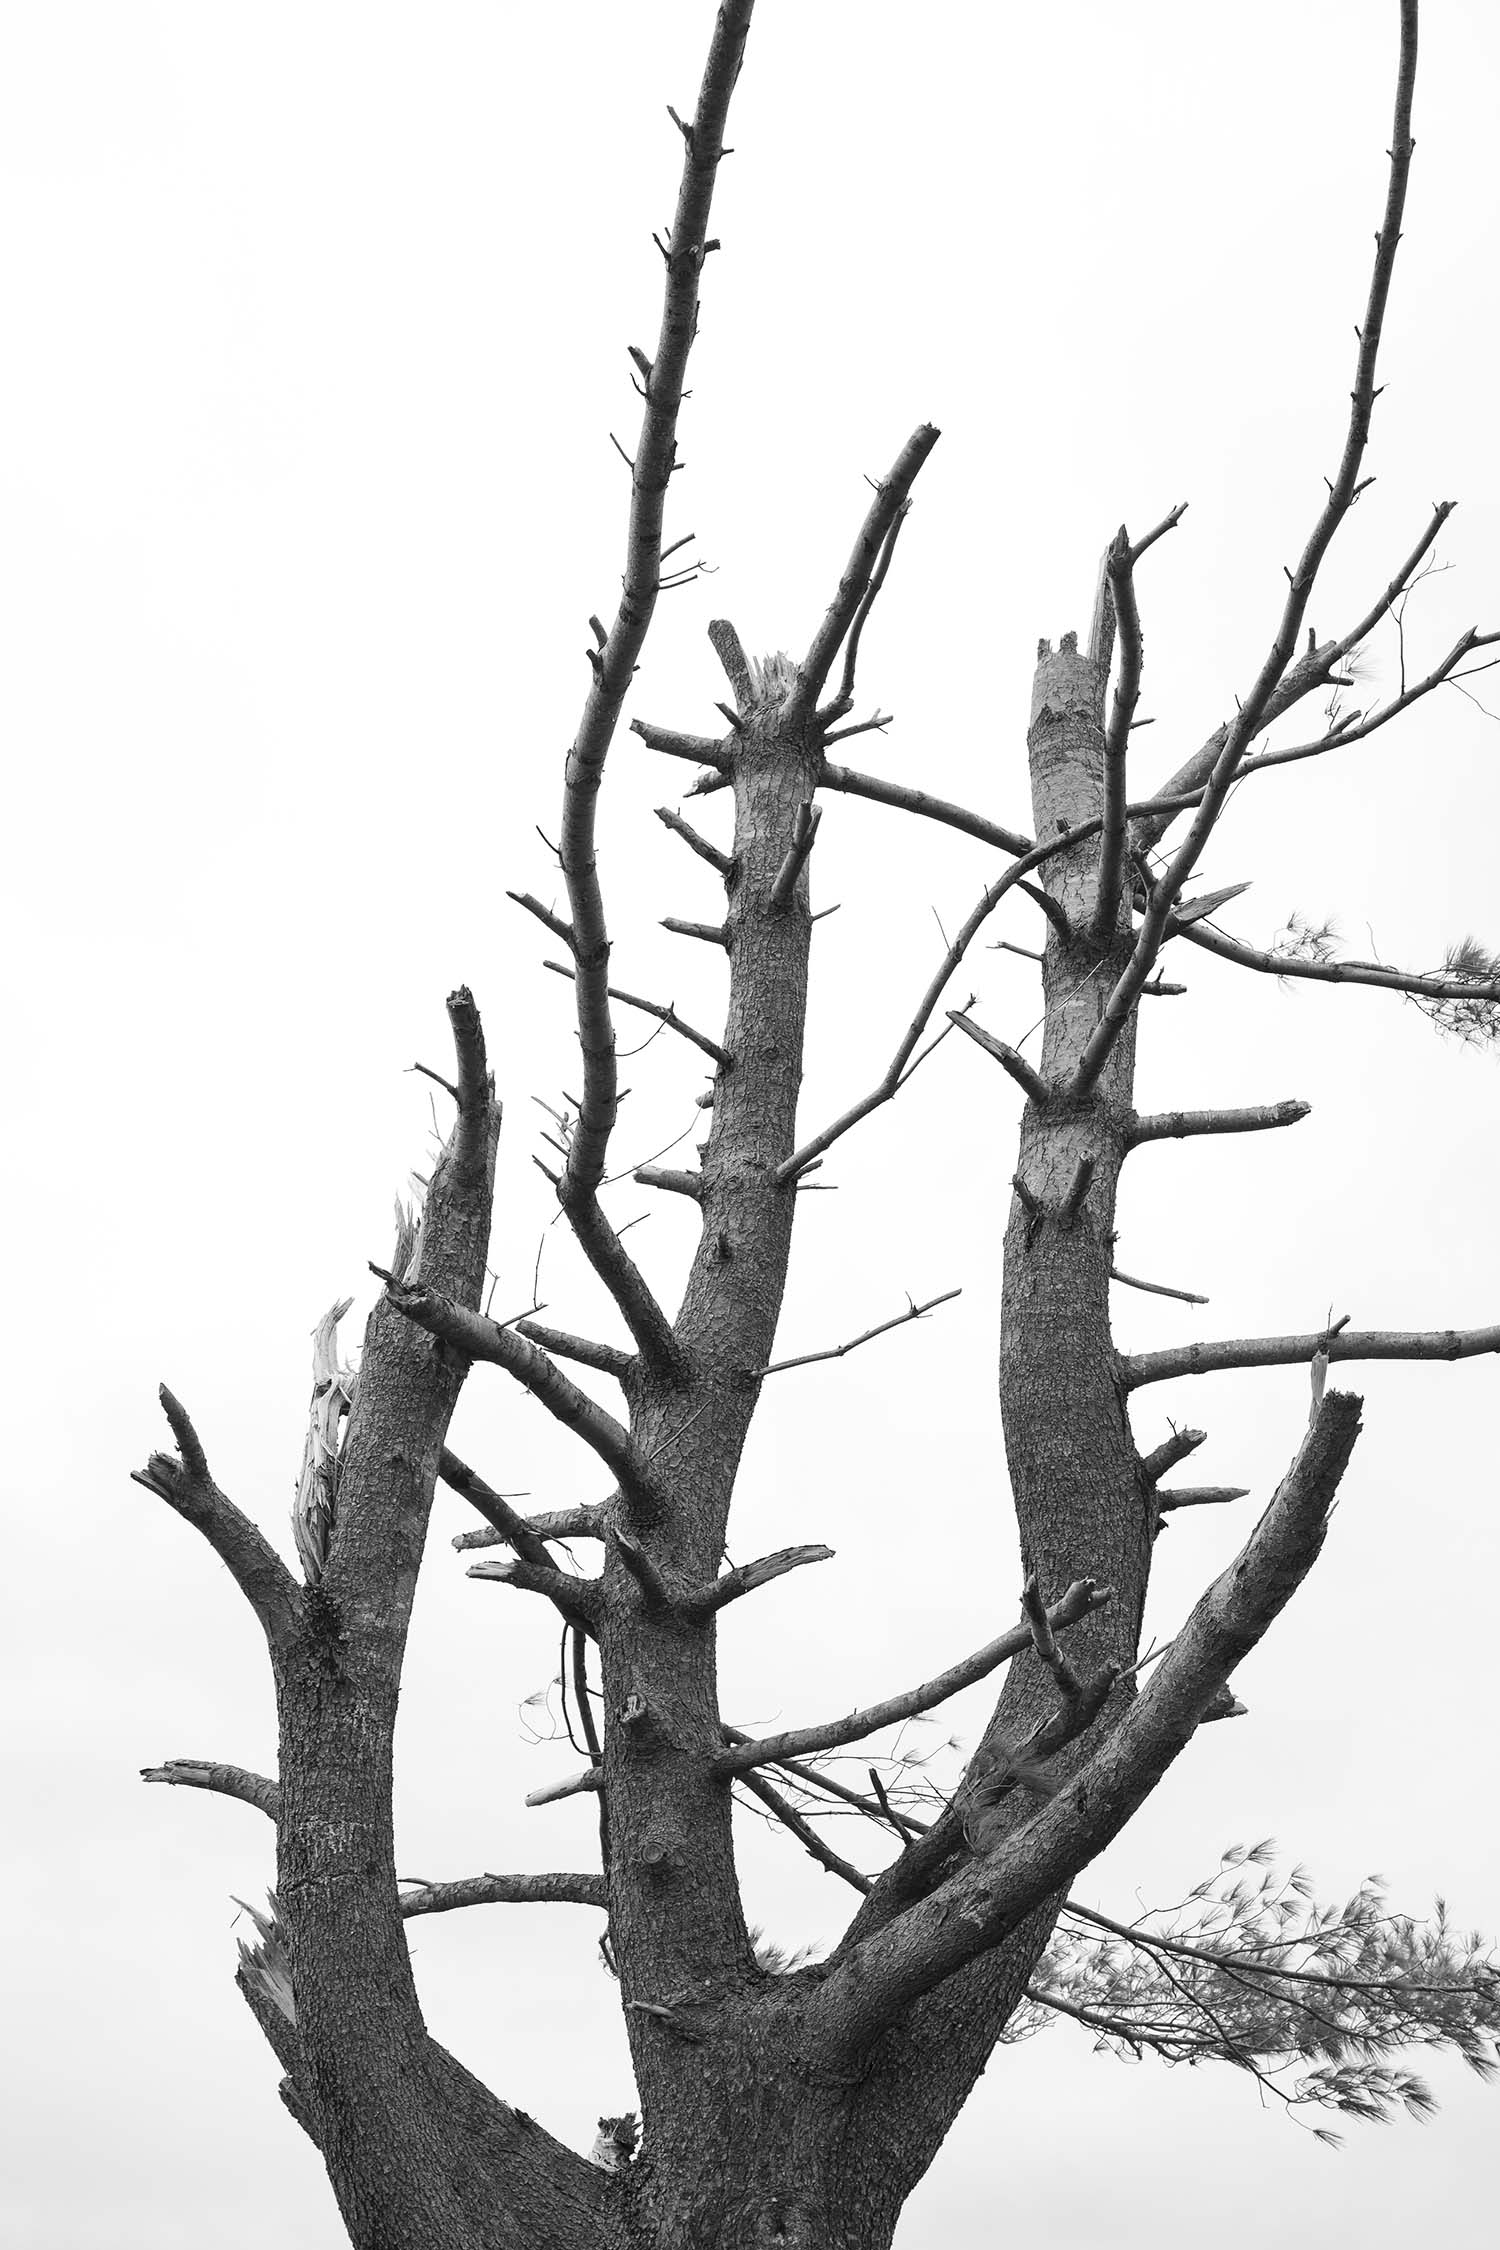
(315, 324)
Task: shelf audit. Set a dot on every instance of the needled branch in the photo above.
(252, 1562)
(1434, 985)
(800, 1742)
(1290, 1351)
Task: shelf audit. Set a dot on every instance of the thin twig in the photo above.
(667, 1015)
(837, 1351)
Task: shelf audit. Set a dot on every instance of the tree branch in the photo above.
(721, 862)
(880, 1977)
(745, 1577)
(1342, 493)
(803, 1830)
(615, 663)
(1120, 570)
(870, 549)
(1156, 1463)
(252, 1562)
(577, 1598)
(1289, 1351)
(544, 914)
(1155, 1288)
(475, 1337)
(621, 1276)
(502, 1890)
(890, 1084)
(675, 1183)
(799, 1742)
(1169, 1497)
(699, 749)
(643, 1568)
(1436, 985)
(804, 835)
(1178, 1124)
(708, 933)
(607, 1358)
(1031, 1082)
(255, 1789)
(1302, 679)
(838, 1351)
(667, 1015)
(845, 697)
(895, 793)
(585, 1521)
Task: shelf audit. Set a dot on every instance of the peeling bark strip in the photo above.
(781, 2105)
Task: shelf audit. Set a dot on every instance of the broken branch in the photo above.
(745, 1577)
(1030, 1081)
(890, 503)
(1178, 1124)
(252, 1562)
(225, 1781)
(476, 1337)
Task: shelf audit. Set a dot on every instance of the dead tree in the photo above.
(787, 2104)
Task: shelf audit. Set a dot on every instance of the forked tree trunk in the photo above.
(801, 2108)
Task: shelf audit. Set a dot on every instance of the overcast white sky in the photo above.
(315, 322)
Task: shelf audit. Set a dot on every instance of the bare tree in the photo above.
(788, 2102)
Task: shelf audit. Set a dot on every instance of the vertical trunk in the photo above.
(1074, 1475)
(1081, 1507)
(686, 1961)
